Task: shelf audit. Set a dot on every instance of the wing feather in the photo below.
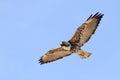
(54, 54)
(85, 31)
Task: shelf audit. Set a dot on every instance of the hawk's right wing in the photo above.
(54, 54)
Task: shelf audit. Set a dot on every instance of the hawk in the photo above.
(81, 36)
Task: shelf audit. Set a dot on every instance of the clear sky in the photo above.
(29, 28)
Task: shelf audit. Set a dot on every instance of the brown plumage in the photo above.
(55, 54)
(81, 36)
(85, 31)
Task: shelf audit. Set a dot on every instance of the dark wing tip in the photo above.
(96, 15)
(44, 62)
(89, 17)
(41, 61)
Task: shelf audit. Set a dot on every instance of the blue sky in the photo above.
(29, 28)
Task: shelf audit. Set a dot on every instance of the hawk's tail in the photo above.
(83, 54)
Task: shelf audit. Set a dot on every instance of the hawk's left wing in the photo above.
(85, 31)
(54, 54)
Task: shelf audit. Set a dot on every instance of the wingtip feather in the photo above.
(96, 15)
(41, 61)
(89, 17)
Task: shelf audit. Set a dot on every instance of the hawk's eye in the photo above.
(67, 45)
(62, 44)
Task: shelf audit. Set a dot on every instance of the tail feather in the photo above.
(83, 54)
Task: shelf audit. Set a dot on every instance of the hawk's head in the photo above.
(66, 45)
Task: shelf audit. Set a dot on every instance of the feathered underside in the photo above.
(85, 31)
(81, 36)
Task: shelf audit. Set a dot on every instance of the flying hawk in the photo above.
(81, 36)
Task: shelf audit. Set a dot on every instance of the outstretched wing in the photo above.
(54, 54)
(85, 31)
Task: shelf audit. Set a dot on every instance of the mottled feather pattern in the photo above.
(85, 31)
(81, 36)
(54, 54)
